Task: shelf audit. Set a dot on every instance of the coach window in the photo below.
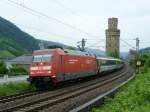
(104, 62)
(113, 62)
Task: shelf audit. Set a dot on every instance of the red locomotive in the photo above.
(56, 65)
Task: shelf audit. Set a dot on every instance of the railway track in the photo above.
(5, 99)
(43, 100)
(17, 96)
(78, 100)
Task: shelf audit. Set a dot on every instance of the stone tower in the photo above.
(112, 38)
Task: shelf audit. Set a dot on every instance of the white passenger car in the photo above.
(109, 64)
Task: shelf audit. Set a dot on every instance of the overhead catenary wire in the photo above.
(52, 18)
(102, 39)
(67, 8)
(14, 5)
(37, 13)
(92, 45)
(42, 31)
(98, 47)
(127, 43)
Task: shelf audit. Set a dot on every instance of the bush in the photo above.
(145, 59)
(18, 70)
(113, 54)
(3, 69)
(144, 69)
(133, 97)
(14, 88)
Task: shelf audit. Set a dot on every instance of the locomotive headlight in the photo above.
(49, 72)
(31, 72)
(41, 63)
(53, 76)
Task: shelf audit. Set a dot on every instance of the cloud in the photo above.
(88, 15)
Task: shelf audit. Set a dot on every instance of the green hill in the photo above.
(5, 53)
(13, 41)
(145, 50)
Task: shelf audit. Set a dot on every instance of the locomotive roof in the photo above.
(77, 53)
(66, 51)
(48, 51)
(109, 58)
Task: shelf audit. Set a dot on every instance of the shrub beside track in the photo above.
(134, 96)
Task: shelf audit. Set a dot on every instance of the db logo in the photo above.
(40, 68)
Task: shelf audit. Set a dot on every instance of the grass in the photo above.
(14, 88)
(4, 54)
(132, 97)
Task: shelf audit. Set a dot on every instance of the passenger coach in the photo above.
(109, 64)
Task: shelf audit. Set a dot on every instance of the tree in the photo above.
(55, 46)
(145, 58)
(113, 54)
(71, 48)
(3, 69)
(18, 70)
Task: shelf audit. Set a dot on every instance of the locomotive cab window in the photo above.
(42, 58)
(37, 58)
(47, 57)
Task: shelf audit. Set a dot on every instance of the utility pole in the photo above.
(41, 44)
(81, 45)
(137, 45)
(138, 62)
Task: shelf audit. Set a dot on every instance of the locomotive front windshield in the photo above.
(42, 58)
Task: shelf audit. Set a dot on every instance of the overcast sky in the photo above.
(87, 19)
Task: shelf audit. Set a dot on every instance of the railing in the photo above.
(7, 78)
